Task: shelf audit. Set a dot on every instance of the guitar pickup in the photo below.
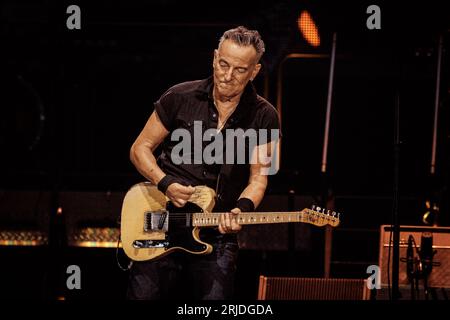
(162, 220)
(156, 221)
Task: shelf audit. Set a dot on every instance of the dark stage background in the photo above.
(73, 101)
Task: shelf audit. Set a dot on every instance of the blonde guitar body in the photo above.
(151, 226)
(146, 198)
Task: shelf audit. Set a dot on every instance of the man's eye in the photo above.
(241, 70)
(223, 65)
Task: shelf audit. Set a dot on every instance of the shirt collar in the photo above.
(247, 102)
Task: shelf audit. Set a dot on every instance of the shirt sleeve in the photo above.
(167, 107)
(270, 121)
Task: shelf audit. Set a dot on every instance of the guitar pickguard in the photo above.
(179, 233)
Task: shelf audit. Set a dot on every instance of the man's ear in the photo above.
(255, 71)
(215, 57)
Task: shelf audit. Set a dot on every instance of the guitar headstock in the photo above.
(322, 217)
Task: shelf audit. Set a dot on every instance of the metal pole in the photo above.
(327, 117)
(328, 231)
(436, 108)
(395, 208)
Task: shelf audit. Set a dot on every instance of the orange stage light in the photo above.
(308, 28)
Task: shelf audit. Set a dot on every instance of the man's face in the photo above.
(234, 66)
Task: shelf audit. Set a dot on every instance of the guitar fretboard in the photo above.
(213, 219)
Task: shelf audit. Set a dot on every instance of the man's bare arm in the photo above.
(257, 184)
(141, 153)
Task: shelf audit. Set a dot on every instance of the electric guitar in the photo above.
(151, 226)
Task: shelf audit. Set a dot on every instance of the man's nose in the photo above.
(229, 74)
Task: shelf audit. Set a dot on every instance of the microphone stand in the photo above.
(425, 286)
(410, 266)
(426, 260)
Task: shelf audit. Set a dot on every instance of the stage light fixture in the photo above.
(308, 28)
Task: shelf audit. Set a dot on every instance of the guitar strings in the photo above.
(216, 215)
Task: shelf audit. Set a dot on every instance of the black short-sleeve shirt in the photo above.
(188, 108)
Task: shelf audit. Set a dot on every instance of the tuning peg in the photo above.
(313, 207)
(318, 208)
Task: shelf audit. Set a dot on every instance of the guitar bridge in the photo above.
(156, 221)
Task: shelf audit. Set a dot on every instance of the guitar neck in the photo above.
(213, 219)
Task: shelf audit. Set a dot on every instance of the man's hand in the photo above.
(179, 194)
(228, 222)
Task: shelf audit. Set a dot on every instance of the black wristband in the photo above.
(245, 204)
(165, 182)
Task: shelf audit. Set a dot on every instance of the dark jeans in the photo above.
(182, 275)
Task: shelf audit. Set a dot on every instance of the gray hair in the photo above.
(245, 37)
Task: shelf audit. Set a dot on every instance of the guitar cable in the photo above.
(127, 268)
